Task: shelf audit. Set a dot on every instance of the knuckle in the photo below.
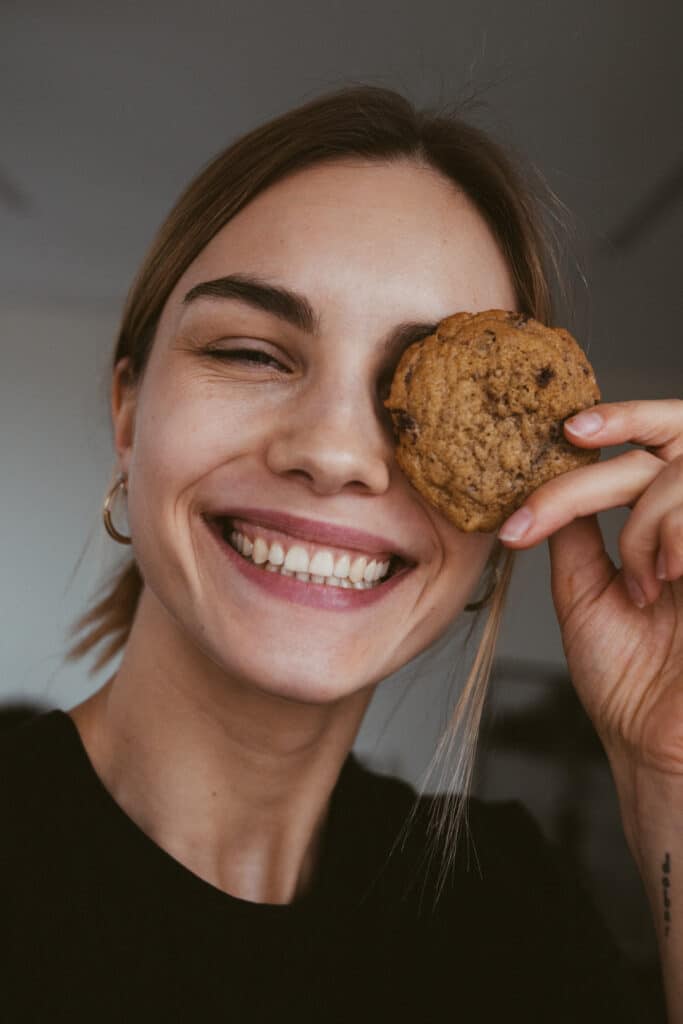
(672, 529)
(634, 546)
(642, 460)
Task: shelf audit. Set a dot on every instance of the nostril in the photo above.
(301, 474)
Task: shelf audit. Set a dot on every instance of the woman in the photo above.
(195, 838)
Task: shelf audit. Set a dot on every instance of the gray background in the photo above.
(109, 109)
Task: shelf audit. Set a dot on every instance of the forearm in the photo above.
(652, 814)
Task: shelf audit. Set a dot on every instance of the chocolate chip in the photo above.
(409, 375)
(544, 376)
(405, 424)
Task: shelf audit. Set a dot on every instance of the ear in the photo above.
(123, 404)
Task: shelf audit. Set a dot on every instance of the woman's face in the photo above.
(265, 411)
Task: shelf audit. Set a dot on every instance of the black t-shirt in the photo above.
(99, 924)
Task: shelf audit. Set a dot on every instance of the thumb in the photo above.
(580, 568)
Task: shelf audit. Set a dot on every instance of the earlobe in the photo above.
(123, 403)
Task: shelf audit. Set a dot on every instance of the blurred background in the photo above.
(109, 109)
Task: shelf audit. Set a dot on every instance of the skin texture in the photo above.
(224, 730)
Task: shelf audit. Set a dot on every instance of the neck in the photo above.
(234, 782)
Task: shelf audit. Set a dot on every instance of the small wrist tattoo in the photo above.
(666, 886)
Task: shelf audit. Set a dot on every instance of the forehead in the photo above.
(352, 234)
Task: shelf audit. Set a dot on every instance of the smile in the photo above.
(309, 565)
(305, 572)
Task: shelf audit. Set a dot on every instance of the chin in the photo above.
(317, 691)
(303, 681)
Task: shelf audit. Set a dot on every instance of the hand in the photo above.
(622, 629)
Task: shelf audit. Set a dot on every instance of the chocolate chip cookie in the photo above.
(478, 409)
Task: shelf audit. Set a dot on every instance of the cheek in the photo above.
(464, 558)
(187, 433)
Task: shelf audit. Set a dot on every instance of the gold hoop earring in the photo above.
(476, 605)
(106, 510)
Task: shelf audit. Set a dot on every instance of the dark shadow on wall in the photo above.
(539, 746)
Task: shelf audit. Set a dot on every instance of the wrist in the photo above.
(651, 805)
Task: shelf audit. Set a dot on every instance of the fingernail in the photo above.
(517, 525)
(660, 569)
(636, 594)
(585, 424)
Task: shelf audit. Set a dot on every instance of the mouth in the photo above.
(322, 566)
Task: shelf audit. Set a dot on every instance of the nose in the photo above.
(334, 440)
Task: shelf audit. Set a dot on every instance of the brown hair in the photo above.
(376, 124)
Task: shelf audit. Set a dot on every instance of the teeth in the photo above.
(370, 572)
(260, 551)
(359, 573)
(276, 554)
(322, 564)
(297, 559)
(342, 566)
(357, 569)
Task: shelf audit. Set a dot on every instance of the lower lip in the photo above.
(314, 595)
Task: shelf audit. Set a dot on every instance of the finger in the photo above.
(656, 424)
(654, 524)
(580, 567)
(670, 556)
(581, 492)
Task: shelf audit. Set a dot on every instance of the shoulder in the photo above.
(519, 900)
(499, 862)
(38, 772)
(500, 829)
(28, 738)
(498, 857)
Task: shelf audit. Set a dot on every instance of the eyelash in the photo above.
(246, 355)
(250, 355)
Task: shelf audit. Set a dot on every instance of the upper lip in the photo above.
(316, 530)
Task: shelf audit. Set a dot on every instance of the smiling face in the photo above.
(272, 419)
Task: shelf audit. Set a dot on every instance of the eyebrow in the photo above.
(295, 308)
